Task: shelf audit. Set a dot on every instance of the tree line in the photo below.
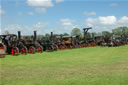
(120, 31)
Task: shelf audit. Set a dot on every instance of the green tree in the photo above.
(107, 33)
(40, 36)
(120, 31)
(66, 34)
(6, 32)
(76, 32)
(47, 35)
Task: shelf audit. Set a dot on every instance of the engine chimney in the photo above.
(35, 36)
(61, 38)
(19, 35)
(51, 36)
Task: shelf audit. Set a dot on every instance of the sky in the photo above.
(60, 16)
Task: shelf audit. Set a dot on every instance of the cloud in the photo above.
(59, 1)
(64, 25)
(106, 23)
(41, 10)
(113, 4)
(40, 3)
(13, 28)
(108, 20)
(2, 11)
(101, 23)
(90, 13)
(65, 22)
(41, 27)
(30, 13)
(123, 20)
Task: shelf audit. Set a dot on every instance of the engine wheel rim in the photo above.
(39, 49)
(15, 51)
(23, 51)
(62, 47)
(31, 50)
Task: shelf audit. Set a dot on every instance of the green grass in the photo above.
(85, 66)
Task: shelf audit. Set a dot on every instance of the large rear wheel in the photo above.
(61, 47)
(79, 46)
(55, 47)
(15, 51)
(69, 47)
(31, 50)
(24, 50)
(39, 49)
(50, 48)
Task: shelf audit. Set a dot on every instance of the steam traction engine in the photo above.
(60, 42)
(21, 44)
(49, 44)
(33, 44)
(10, 42)
(13, 44)
(88, 41)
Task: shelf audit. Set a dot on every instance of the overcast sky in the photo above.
(61, 16)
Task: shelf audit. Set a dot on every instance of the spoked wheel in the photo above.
(55, 47)
(61, 47)
(72, 46)
(69, 47)
(39, 49)
(50, 48)
(31, 50)
(79, 46)
(89, 45)
(15, 51)
(82, 45)
(65, 47)
(24, 51)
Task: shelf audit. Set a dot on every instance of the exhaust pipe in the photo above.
(61, 38)
(51, 36)
(35, 36)
(19, 35)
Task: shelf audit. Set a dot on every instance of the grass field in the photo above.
(85, 66)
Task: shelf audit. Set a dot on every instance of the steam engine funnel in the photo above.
(51, 36)
(19, 35)
(35, 36)
(61, 38)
